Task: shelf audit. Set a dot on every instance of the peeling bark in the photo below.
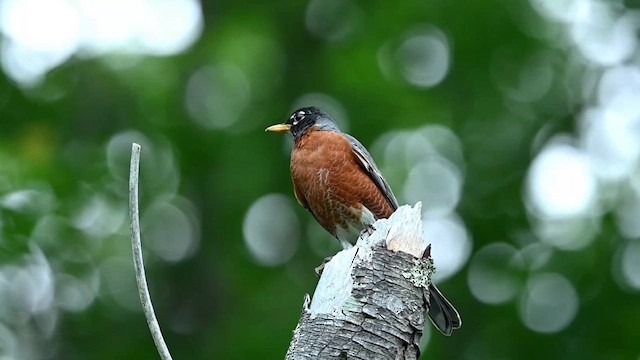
(371, 300)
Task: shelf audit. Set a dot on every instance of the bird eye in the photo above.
(297, 117)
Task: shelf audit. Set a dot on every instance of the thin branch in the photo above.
(141, 278)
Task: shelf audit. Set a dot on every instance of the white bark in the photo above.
(371, 300)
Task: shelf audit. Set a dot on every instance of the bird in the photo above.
(337, 180)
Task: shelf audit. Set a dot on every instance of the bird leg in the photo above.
(320, 268)
(368, 229)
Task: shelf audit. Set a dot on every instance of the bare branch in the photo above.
(141, 278)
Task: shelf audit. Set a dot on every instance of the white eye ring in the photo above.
(300, 114)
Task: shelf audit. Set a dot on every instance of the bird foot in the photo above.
(320, 268)
(368, 229)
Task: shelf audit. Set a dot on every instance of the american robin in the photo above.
(336, 179)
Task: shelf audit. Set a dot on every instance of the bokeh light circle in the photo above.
(157, 162)
(450, 244)
(423, 57)
(601, 36)
(561, 183)
(74, 294)
(441, 141)
(567, 234)
(493, 273)
(611, 136)
(217, 96)
(549, 304)
(119, 282)
(536, 255)
(560, 10)
(627, 214)
(39, 41)
(172, 234)
(332, 20)
(271, 230)
(435, 182)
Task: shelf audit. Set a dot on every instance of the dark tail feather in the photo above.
(442, 314)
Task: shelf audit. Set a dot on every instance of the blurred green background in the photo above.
(516, 123)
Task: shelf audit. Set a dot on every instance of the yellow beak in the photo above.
(279, 128)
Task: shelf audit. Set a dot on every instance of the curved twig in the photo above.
(141, 279)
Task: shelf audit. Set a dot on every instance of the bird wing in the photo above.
(303, 201)
(367, 163)
(300, 197)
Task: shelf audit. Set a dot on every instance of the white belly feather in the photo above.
(349, 235)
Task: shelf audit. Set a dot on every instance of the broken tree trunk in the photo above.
(371, 300)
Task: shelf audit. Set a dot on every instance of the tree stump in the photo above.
(372, 299)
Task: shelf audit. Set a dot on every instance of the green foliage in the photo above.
(200, 116)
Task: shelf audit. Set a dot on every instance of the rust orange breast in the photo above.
(329, 181)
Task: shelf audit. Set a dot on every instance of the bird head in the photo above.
(305, 120)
